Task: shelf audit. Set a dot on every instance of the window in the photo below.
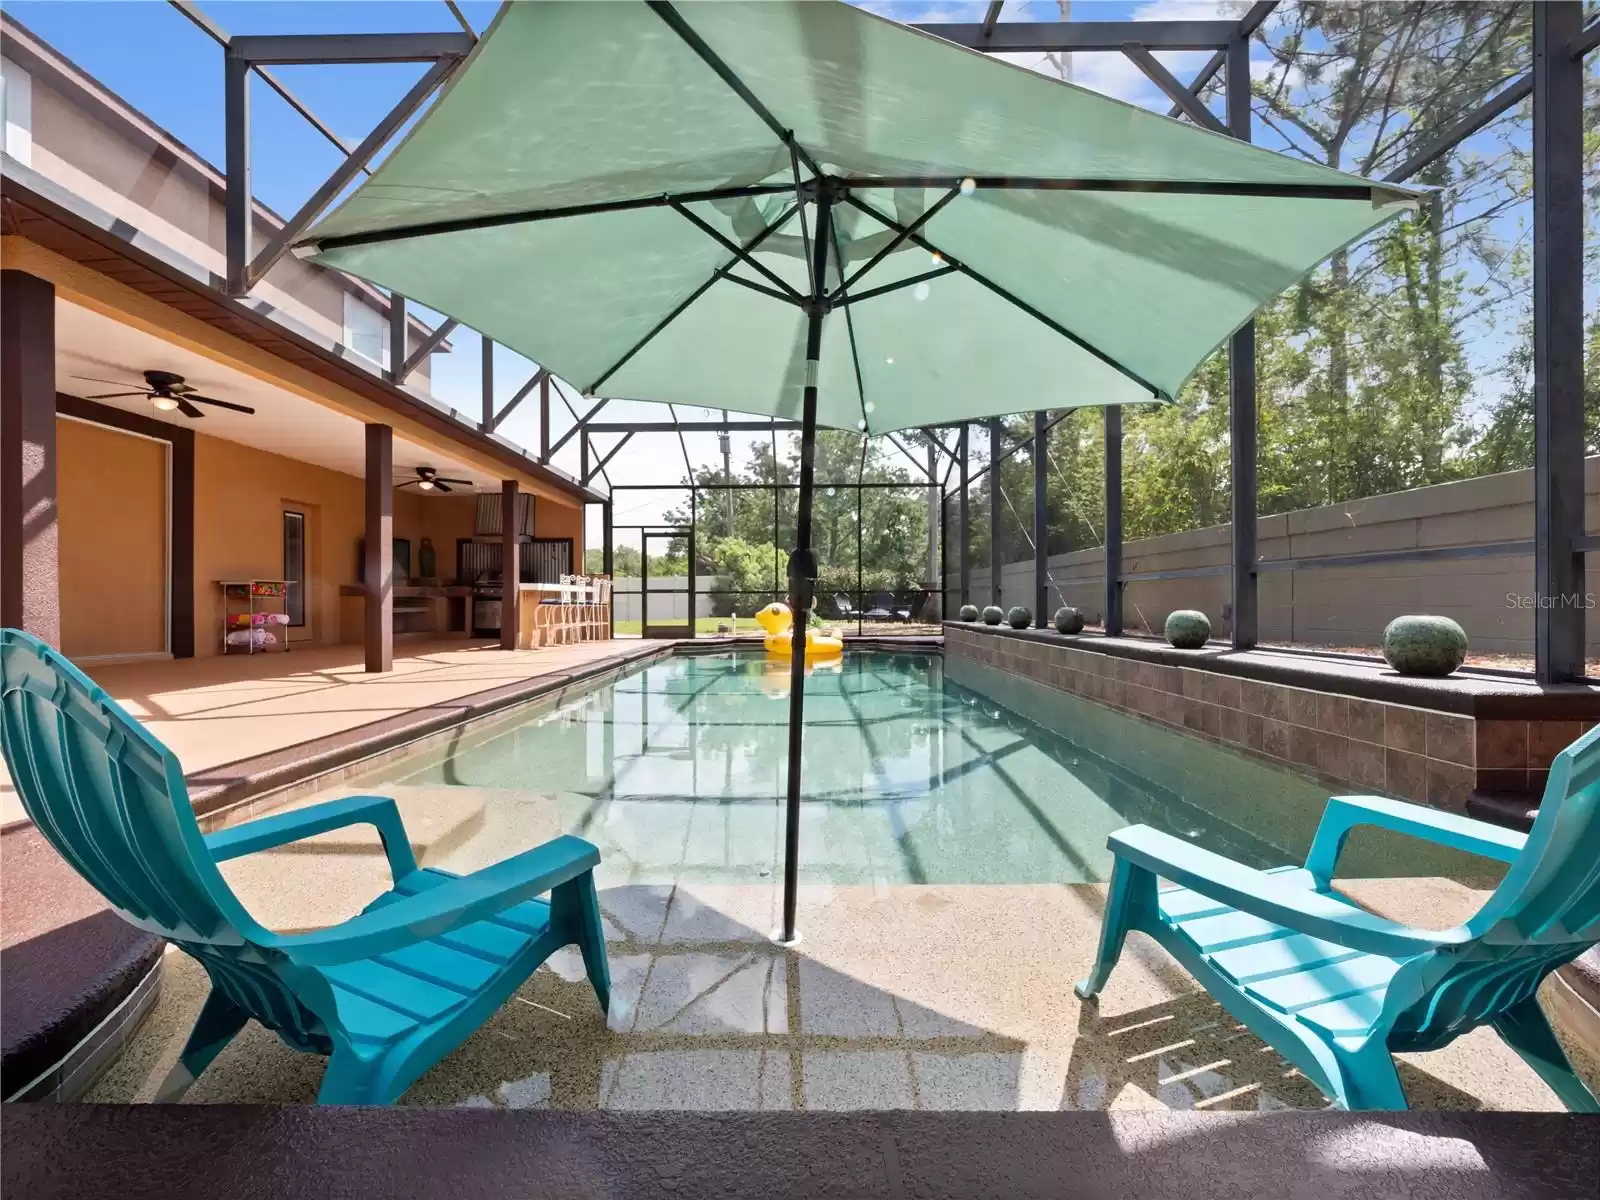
(16, 112)
(294, 565)
(366, 330)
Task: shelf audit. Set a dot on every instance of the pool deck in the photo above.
(232, 720)
(898, 997)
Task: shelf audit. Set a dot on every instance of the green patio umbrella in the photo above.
(803, 210)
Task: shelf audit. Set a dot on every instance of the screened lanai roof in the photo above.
(581, 190)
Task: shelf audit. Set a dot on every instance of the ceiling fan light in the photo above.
(426, 485)
(164, 403)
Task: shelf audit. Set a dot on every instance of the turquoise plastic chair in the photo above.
(385, 994)
(1337, 990)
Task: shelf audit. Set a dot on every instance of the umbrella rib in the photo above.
(400, 233)
(674, 19)
(899, 240)
(734, 248)
(672, 316)
(763, 289)
(1365, 192)
(898, 284)
(1016, 301)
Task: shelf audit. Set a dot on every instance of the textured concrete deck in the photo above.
(930, 997)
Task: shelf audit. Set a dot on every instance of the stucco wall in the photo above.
(111, 498)
(1346, 606)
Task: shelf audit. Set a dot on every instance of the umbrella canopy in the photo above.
(579, 192)
(802, 210)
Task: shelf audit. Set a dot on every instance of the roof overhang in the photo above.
(26, 213)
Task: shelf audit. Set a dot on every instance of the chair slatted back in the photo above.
(1545, 912)
(109, 797)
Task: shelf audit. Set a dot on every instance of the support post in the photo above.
(1242, 398)
(486, 421)
(803, 562)
(964, 519)
(378, 550)
(1112, 622)
(236, 219)
(544, 418)
(510, 566)
(29, 554)
(1558, 441)
(996, 498)
(397, 338)
(1041, 530)
(935, 526)
(607, 567)
(583, 456)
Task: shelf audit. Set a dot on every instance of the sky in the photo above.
(148, 53)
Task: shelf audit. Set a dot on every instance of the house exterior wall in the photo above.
(103, 152)
(1335, 607)
(111, 498)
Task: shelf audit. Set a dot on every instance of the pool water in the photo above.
(677, 772)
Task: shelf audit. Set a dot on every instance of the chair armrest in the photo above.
(450, 905)
(1270, 896)
(378, 811)
(1344, 813)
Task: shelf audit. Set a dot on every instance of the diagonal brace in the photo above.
(1164, 79)
(346, 171)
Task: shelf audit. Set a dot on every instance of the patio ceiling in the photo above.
(92, 347)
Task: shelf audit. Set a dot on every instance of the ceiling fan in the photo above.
(167, 392)
(429, 480)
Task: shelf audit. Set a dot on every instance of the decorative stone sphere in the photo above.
(1188, 629)
(1419, 645)
(1019, 617)
(1068, 620)
(993, 615)
(969, 612)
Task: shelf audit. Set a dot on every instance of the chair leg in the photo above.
(351, 1079)
(1123, 901)
(576, 906)
(219, 1020)
(1527, 1031)
(1367, 1080)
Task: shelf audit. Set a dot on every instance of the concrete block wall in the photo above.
(1342, 607)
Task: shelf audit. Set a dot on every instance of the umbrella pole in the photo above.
(803, 561)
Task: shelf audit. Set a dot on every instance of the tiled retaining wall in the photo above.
(1365, 745)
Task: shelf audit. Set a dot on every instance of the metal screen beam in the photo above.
(544, 418)
(582, 424)
(308, 49)
(1248, 24)
(486, 412)
(429, 344)
(236, 145)
(356, 160)
(690, 426)
(1558, 441)
(1041, 526)
(1190, 104)
(215, 32)
(1462, 128)
(1242, 399)
(601, 465)
(511, 405)
(996, 559)
(965, 565)
(1112, 622)
(1012, 36)
(397, 336)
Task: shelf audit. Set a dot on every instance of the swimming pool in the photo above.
(914, 773)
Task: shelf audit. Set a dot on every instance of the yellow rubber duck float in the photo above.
(778, 621)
